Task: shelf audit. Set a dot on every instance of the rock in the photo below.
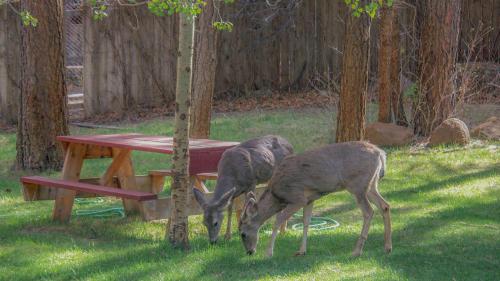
(388, 134)
(451, 131)
(489, 130)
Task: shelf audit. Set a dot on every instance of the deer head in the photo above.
(213, 211)
(249, 227)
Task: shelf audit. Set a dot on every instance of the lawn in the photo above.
(445, 213)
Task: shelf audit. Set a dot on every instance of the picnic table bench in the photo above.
(139, 193)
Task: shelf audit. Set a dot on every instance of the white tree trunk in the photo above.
(178, 232)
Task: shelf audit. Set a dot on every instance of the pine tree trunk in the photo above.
(385, 84)
(397, 105)
(178, 232)
(204, 71)
(42, 106)
(354, 80)
(10, 65)
(438, 53)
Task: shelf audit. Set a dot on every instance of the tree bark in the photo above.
(10, 64)
(354, 80)
(397, 105)
(385, 85)
(42, 105)
(438, 53)
(204, 71)
(391, 108)
(178, 232)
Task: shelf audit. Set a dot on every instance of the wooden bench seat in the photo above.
(30, 183)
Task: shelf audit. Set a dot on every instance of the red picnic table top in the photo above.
(204, 154)
(140, 142)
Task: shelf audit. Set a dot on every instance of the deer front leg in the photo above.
(280, 218)
(306, 220)
(227, 236)
(283, 227)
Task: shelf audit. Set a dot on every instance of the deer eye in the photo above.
(216, 224)
(243, 236)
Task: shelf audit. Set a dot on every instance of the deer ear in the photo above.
(200, 198)
(223, 202)
(250, 209)
(250, 195)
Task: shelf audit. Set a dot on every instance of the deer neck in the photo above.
(268, 206)
(224, 184)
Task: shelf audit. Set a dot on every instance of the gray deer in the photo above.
(300, 179)
(240, 169)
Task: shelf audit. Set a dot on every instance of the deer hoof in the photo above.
(300, 253)
(269, 254)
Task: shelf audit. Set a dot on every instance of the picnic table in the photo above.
(139, 193)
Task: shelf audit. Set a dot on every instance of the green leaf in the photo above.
(28, 19)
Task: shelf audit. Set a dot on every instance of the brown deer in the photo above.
(240, 169)
(300, 179)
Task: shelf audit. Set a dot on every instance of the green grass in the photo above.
(445, 213)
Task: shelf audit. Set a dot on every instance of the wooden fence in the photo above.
(130, 57)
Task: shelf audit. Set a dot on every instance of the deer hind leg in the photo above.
(367, 211)
(281, 217)
(377, 199)
(307, 220)
(227, 236)
(283, 227)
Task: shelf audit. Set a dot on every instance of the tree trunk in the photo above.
(354, 80)
(438, 53)
(10, 64)
(178, 232)
(42, 106)
(385, 85)
(204, 70)
(397, 105)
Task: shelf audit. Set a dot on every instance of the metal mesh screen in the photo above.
(73, 36)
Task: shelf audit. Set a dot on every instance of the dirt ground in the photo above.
(471, 114)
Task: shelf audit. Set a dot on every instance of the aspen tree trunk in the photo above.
(178, 232)
(42, 105)
(438, 53)
(204, 71)
(354, 80)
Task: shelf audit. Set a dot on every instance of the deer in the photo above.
(240, 169)
(301, 179)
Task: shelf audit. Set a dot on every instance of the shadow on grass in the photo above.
(434, 185)
(437, 247)
(421, 252)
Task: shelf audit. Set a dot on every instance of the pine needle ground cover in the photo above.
(445, 212)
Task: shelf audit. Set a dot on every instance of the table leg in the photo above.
(126, 177)
(198, 184)
(73, 162)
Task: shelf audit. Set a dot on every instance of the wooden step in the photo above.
(31, 182)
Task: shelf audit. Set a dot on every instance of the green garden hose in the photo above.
(85, 201)
(317, 223)
(103, 213)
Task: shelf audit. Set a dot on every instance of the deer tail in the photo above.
(383, 160)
